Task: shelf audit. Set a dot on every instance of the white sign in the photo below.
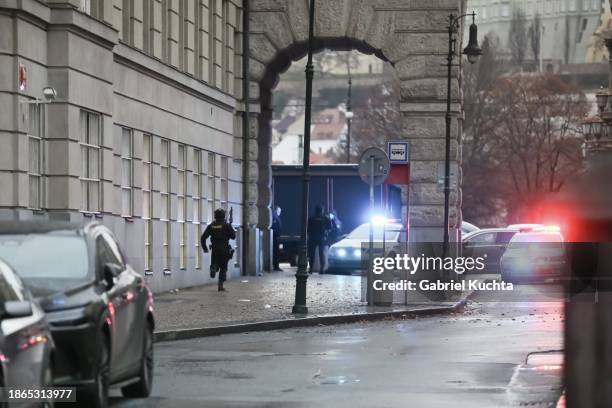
(398, 152)
(454, 170)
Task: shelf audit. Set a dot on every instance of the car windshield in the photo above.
(362, 232)
(47, 262)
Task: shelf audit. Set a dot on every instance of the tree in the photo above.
(535, 32)
(478, 167)
(517, 37)
(536, 142)
(520, 139)
(376, 119)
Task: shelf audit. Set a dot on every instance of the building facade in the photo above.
(567, 25)
(144, 134)
(153, 125)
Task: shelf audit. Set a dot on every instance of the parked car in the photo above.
(534, 255)
(99, 309)
(26, 345)
(489, 243)
(345, 255)
(467, 227)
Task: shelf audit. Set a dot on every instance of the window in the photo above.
(562, 7)
(182, 204)
(210, 193)
(165, 202)
(224, 183)
(585, 5)
(504, 237)
(147, 203)
(35, 156)
(484, 238)
(596, 4)
(85, 6)
(127, 172)
(572, 5)
(91, 154)
(197, 204)
(505, 10)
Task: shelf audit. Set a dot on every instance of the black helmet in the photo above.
(219, 214)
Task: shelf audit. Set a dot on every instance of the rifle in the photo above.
(231, 216)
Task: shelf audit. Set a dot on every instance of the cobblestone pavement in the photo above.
(254, 299)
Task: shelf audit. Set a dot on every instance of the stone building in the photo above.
(143, 134)
(146, 131)
(567, 26)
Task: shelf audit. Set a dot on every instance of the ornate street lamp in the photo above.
(473, 53)
(602, 98)
(301, 275)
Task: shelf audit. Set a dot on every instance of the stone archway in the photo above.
(412, 36)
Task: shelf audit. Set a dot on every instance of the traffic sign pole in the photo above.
(373, 170)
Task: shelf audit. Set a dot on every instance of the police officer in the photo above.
(220, 233)
(277, 227)
(318, 227)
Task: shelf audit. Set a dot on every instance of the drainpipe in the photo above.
(245, 134)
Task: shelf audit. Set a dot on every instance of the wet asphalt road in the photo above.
(471, 359)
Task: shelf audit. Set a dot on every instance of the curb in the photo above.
(192, 333)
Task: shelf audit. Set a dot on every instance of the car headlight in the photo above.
(357, 253)
(341, 252)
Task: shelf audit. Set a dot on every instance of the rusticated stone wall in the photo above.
(412, 36)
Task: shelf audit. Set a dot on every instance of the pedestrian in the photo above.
(318, 227)
(220, 233)
(277, 227)
(336, 228)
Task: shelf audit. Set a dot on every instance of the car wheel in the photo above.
(142, 388)
(97, 395)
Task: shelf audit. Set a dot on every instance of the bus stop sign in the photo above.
(374, 166)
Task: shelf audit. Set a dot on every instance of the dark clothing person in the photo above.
(220, 233)
(318, 227)
(277, 227)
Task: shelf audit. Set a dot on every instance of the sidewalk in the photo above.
(268, 298)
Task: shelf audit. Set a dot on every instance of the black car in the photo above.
(99, 309)
(26, 345)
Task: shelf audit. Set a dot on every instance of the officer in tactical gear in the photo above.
(220, 233)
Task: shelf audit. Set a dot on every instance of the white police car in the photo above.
(345, 256)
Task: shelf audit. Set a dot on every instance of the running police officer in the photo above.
(220, 233)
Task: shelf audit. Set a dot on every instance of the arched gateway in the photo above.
(413, 36)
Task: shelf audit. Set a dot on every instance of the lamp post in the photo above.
(473, 52)
(349, 119)
(301, 275)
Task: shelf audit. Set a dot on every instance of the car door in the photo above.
(118, 296)
(501, 242)
(133, 302)
(482, 245)
(24, 337)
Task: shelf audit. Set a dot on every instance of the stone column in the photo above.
(264, 202)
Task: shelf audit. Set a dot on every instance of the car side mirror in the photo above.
(111, 270)
(15, 308)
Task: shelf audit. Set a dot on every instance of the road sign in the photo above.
(454, 170)
(374, 166)
(398, 152)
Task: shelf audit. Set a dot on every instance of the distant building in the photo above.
(567, 26)
(328, 129)
(328, 124)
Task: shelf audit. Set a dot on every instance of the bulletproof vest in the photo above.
(219, 233)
